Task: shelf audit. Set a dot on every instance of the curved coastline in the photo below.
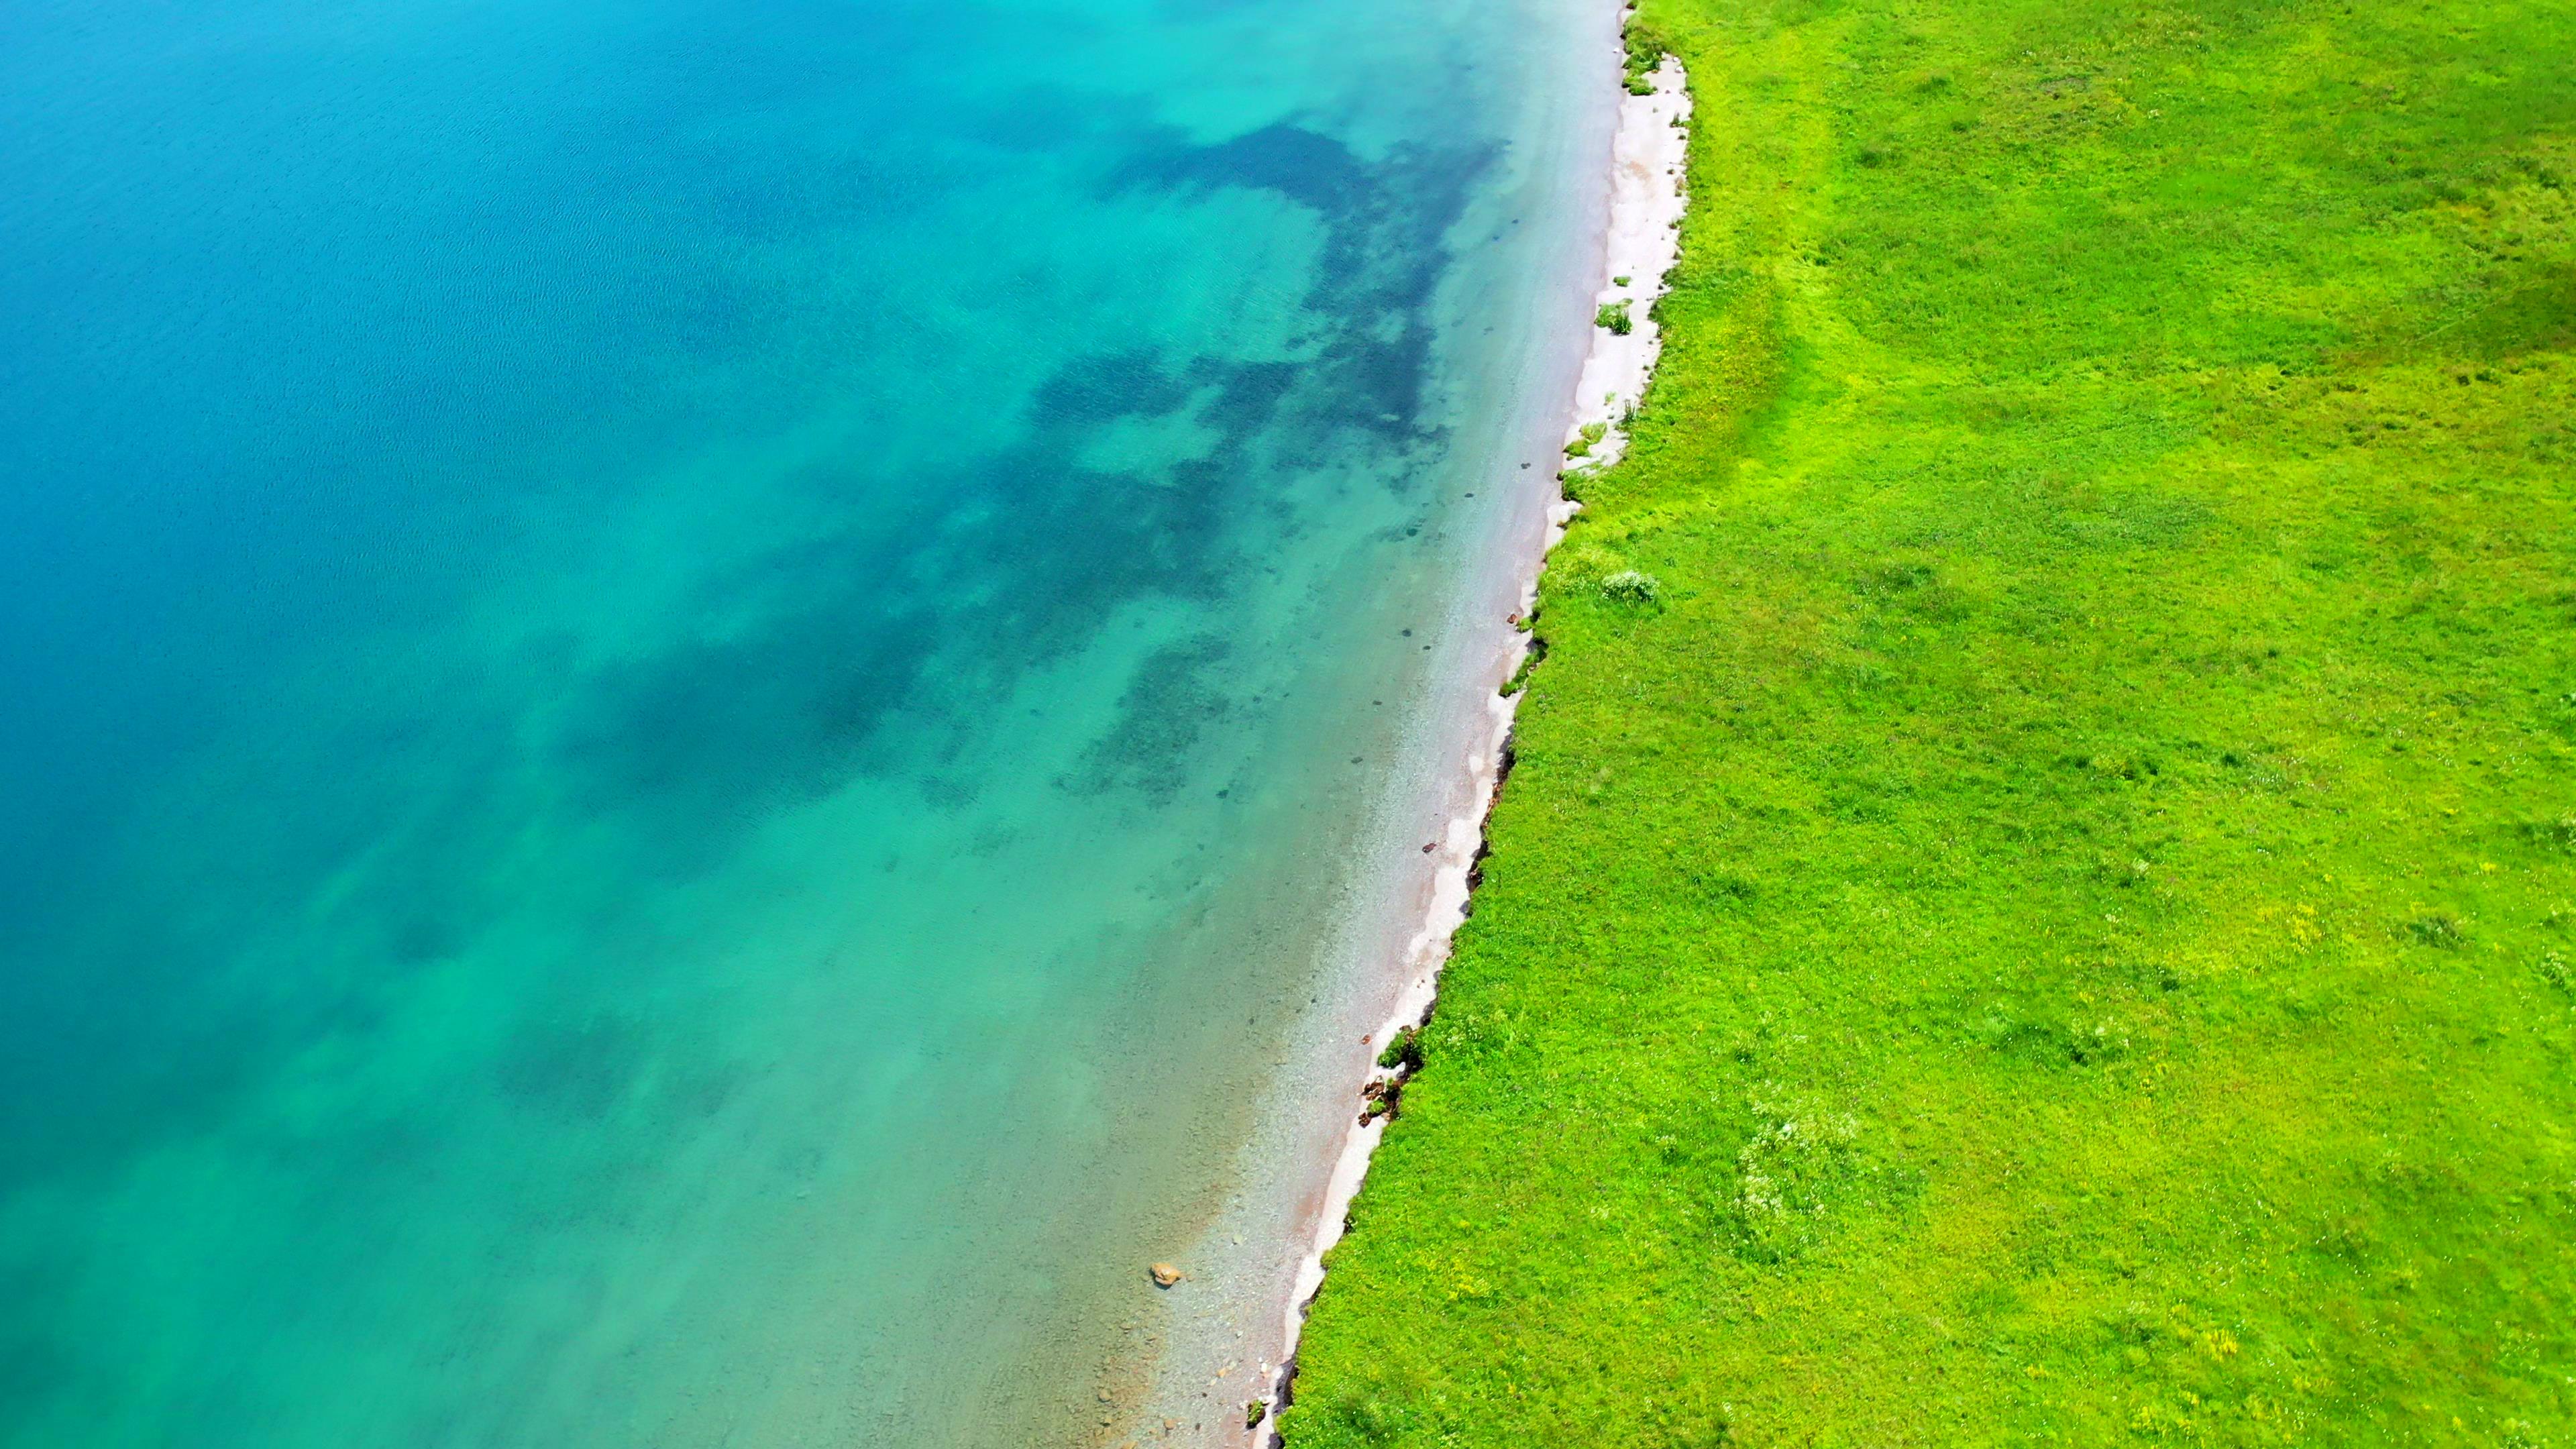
(1647, 197)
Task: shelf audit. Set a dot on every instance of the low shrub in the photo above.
(1403, 1051)
(1628, 586)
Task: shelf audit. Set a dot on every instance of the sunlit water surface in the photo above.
(683, 676)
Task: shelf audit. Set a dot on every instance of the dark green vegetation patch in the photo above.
(2053, 919)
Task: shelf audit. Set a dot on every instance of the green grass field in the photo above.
(2058, 921)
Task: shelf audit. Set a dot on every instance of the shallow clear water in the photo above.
(686, 678)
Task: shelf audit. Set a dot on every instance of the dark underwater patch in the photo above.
(1174, 699)
(1386, 226)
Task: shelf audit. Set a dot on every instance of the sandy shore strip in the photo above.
(1647, 198)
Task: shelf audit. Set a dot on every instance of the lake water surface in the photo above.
(690, 683)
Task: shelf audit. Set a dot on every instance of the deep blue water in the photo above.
(674, 666)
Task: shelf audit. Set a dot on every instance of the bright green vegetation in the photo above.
(1613, 317)
(2056, 919)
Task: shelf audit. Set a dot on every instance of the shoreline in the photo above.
(1648, 161)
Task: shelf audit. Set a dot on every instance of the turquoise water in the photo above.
(686, 679)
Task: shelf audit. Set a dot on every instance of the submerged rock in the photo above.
(1165, 1275)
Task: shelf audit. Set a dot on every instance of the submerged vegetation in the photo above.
(2057, 922)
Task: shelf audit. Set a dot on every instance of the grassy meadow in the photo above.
(2055, 918)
